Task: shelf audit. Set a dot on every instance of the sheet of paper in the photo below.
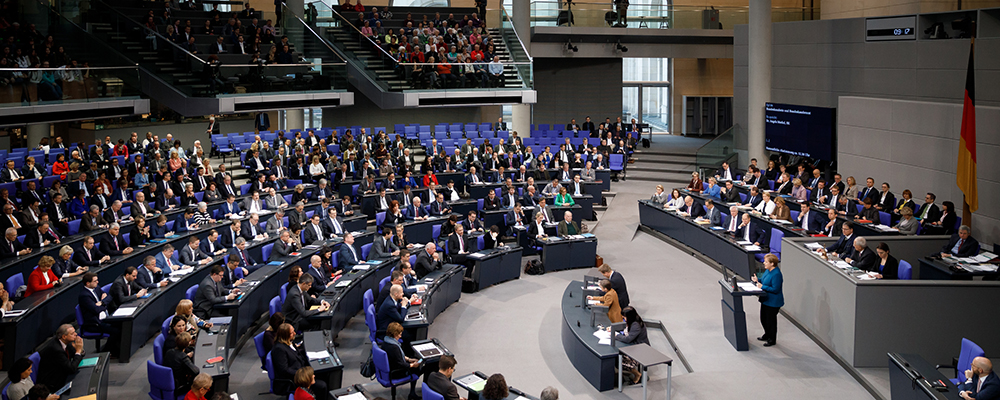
(748, 287)
(220, 320)
(424, 346)
(477, 255)
(470, 380)
(124, 311)
(842, 264)
(361, 267)
(342, 283)
(478, 386)
(813, 246)
(87, 397)
(317, 355)
(752, 248)
(743, 242)
(353, 396)
(593, 302)
(605, 341)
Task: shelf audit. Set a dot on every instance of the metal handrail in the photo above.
(147, 30)
(136, 66)
(670, 7)
(503, 10)
(316, 35)
(370, 41)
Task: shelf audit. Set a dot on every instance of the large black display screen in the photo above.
(800, 130)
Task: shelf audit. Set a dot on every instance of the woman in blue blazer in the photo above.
(772, 299)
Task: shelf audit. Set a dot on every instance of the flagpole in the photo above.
(966, 214)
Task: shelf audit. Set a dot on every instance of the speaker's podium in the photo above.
(734, 319)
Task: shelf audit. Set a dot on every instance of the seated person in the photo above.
(961, 244)
(863, 258)
(691, 208)
(440, 381)
(868, 211)
(567, 226)
(42, 278)
(400, 366)
(457, 248)
(393, 309)
(181, 361)
(287, 358)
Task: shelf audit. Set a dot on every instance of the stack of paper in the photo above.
(318, 355)
(980, 267)
(814, 246)
(985, 257)
(124, 311)
(353, 396)
(842, 264)
(751, 248)
(743, 242)
(360, 267)
(477, 255)
(748, 287)
(181, 272)
(603, 336)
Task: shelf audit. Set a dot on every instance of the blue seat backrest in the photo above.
(428, 393)
(905, 270)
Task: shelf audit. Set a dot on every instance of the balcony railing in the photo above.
(590, 14)
(40, 86)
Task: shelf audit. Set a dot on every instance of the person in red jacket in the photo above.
(200, 387)
(42, 278)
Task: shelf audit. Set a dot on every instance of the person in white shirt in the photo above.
(766, 206)
(734, 220)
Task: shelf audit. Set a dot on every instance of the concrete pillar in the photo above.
(38, 131)
(521, 19)
(521, 119)
(759, 53)
(295, 119)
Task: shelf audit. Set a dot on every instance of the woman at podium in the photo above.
(772, 299)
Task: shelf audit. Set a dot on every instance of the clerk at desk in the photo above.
(962, 244)
(863, 258)
(842, 248)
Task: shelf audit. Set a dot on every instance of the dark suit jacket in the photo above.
(382, 250)
(347, 259)
(757, 235)
(205, 248)
(968, 249)
(281, 249)
(843, 246)
(227, 239)
(34, 240)
(294, 309)
(182, 366)
(471, 226)
(108, 244)
(118, 295)
(88, 306)
(80, 256)
(696, 210)
(56, 364)
(286, 362)
(865, 260)
(440, 383)
(189, 256)
(389, 311)
(618, 284)
(234, 252)
(143, 279)
(206, 297)
(891, 268)
(425, 264)
(990, 389)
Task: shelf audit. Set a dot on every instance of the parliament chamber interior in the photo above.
(484, 199)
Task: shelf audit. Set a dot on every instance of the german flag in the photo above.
(966, 177)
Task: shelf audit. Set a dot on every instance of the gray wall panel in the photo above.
(847, 54)
(890, 54)
(942, 54)
(577, 88)
(898, 82)
(939, 83)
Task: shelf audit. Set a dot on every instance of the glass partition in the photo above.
(40, 86)
(515, 47)
(656, 16)
(722, 148)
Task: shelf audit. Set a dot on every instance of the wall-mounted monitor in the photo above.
(800, 130)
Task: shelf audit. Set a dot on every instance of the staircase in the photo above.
(160, 62)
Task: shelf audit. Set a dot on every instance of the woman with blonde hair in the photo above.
(781, 210)
(852, 189)
(185, 311)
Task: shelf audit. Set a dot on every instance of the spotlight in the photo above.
(620, 47)
(570, 46)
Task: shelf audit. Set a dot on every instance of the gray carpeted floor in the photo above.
(513, 329)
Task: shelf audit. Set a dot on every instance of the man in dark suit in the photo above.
(427, 261)
(617, 283)
(392, 309)
(862, 257)
(88, 255)
(113, 243)
(229, 236)
(846, 207)
(753, 233)
(58, 214)
(383, 248)
(712, 214)
(842, 247)
(149, 275)
(239, 253)
(981, 383)
(262, 122)
(439, 206)
(869, 191)
(125, 289)
(692, 208)
(93, 308)
(313, 232)
(283, 247)
(192, 254)
(928, 211)
(60, 357)
(320, 279)
(754, 197)
(210, 293)
(140, 208)
(567, 226)
(297, 303)
(456, 247)
(416, 211)
(348, 256)
(440, 381)
(961, 244)
(40, 237)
